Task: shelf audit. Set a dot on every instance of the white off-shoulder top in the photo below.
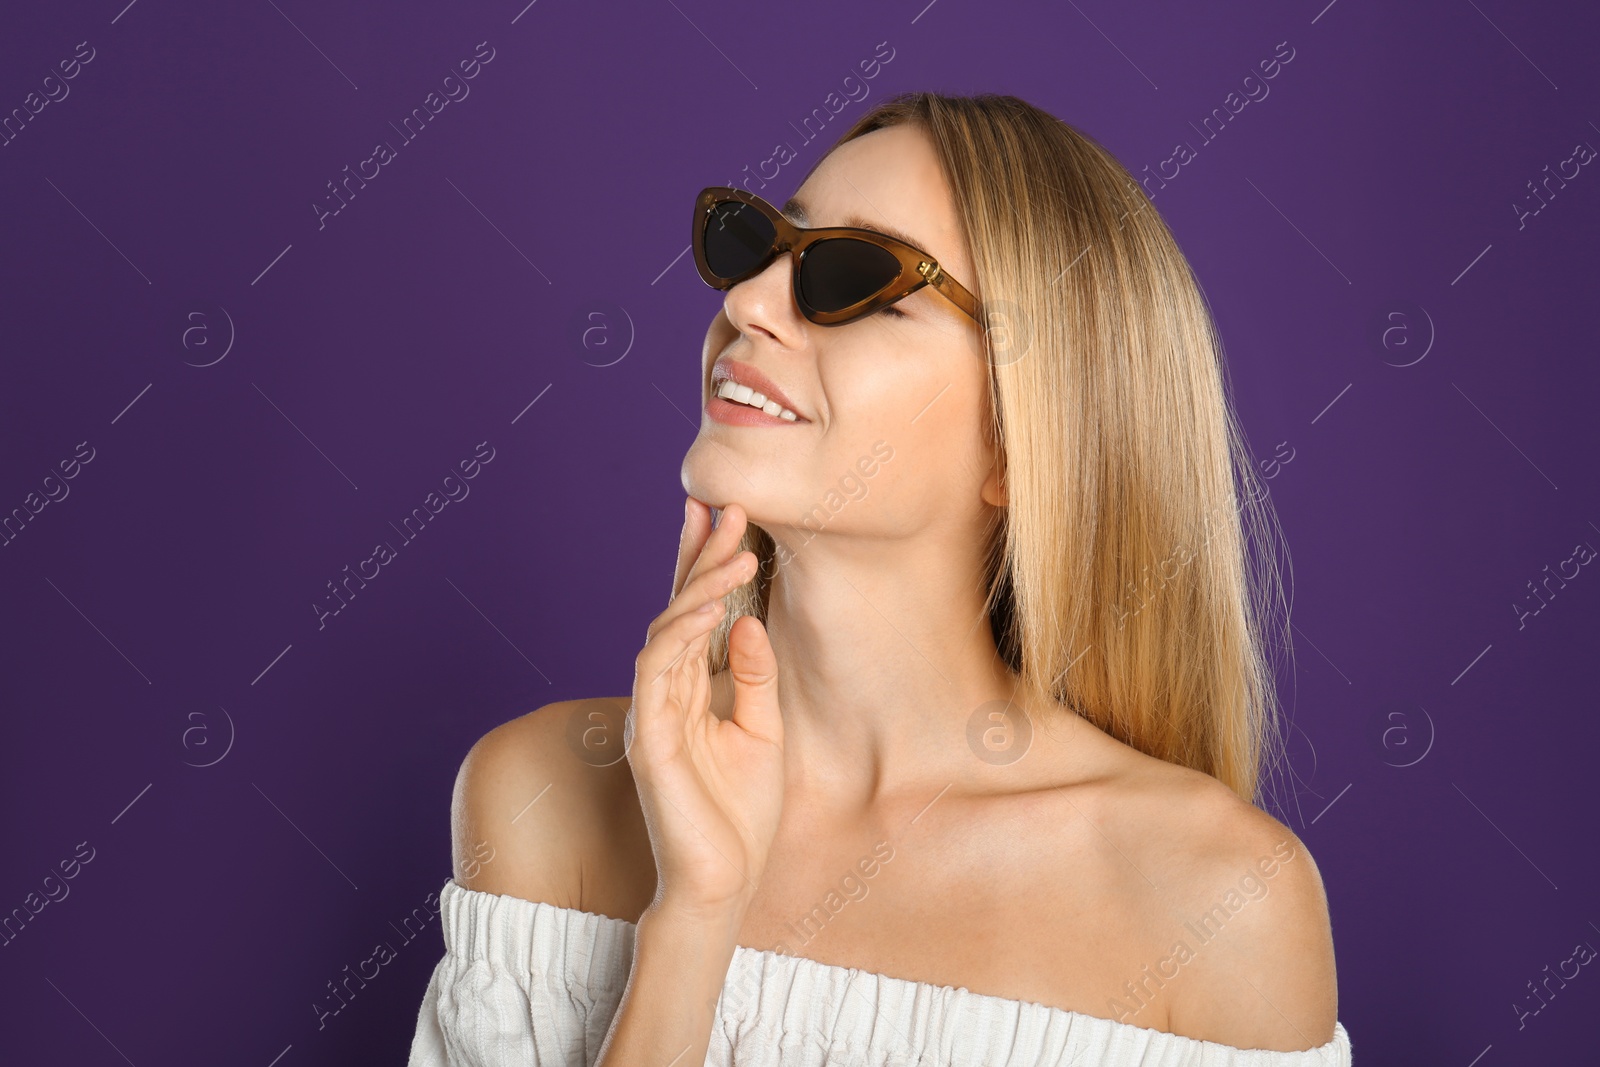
(530, 984)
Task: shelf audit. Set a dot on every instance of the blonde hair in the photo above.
(1121, 579)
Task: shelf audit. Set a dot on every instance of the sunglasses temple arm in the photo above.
(956, 293)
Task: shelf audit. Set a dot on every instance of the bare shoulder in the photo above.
(541, 803)
(1215, 911)
(1254, 965)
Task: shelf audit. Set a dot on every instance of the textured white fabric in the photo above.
(529, 984)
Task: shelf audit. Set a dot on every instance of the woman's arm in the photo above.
(711, 791)
(680, 962)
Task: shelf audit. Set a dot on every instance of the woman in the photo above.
(946, 747)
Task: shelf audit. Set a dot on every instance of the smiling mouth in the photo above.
(734, 393)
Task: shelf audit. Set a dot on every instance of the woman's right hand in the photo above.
(711, 790)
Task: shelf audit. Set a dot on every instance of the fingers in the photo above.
(696, 528)
(701, 547)
(709, 586)
(667, 646)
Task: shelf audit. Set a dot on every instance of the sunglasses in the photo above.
(841, 273)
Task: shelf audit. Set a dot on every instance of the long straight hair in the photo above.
(1131, 577)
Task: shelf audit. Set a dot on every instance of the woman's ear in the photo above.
(994, 486)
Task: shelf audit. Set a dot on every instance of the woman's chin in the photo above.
(709, 477)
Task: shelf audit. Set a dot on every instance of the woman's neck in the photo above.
(885, 655)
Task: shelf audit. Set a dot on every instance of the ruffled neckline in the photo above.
(754, 964)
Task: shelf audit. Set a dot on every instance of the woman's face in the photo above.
(889, 441)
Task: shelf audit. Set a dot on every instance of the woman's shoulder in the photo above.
(1179, 817)
(1237, 895)
(543, 808)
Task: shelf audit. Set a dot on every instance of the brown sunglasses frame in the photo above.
(917, 268)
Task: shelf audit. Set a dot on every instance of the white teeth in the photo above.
(743, 394)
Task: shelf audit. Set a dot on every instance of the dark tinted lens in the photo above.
(737, 237)
(842, 271)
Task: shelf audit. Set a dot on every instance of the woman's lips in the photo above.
(741, 373)
(731, 413)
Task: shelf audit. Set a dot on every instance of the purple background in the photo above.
(160, 615)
